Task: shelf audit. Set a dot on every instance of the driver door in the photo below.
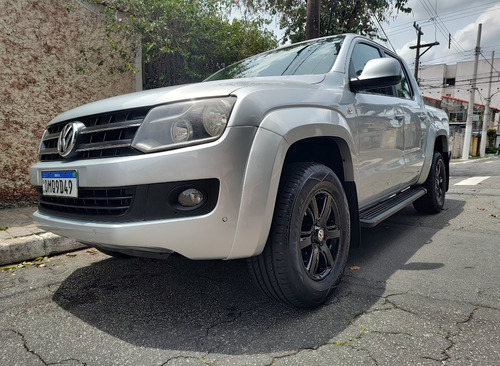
(379, 121)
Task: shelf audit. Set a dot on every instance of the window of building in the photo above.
(449, 82)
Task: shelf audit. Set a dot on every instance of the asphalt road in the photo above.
(421, 290)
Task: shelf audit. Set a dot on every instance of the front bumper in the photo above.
(207, 235)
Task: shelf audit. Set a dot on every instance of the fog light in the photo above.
(190, 198)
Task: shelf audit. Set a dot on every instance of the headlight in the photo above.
(183, 124)
(215, 117)
(181, 131)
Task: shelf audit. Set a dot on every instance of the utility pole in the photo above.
(418, 47)
(312, 20)
(487, 112)
(470, 110)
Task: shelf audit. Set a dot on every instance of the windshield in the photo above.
(315, 57)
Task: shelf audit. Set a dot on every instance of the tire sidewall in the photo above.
(320, 178)
(438, 201)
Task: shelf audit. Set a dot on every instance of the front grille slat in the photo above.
(96, 202)
(51, 151)
(105, 135)
(104, 145)
(111, 127)
(52, 136)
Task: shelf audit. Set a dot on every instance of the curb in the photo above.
(44, 244)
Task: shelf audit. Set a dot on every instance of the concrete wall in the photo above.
(53, 57)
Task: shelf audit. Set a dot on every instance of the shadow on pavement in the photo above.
(211, 306)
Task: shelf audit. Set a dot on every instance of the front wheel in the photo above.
(307, 249)
(433, 201)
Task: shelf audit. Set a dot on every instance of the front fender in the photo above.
(279, 130)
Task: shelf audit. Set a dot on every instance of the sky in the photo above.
(437, 19)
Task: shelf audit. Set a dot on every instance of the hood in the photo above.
(179, 93)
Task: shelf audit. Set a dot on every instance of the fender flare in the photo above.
(278, 131)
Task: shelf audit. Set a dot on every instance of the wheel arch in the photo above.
(283, 137)
(336, 154)
(333, 152)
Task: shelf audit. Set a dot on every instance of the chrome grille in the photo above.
(91, 202)
(105, 135)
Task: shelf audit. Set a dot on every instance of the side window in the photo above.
(360, 56)
(403, 89)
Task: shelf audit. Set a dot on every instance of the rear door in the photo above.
(416, 124)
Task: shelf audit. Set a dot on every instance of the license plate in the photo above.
(60, 184)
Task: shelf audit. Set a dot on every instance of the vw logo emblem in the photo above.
(67, 138)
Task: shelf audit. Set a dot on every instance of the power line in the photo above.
(440, 25)
(488, 61)
(471, 10)
(439, 20)
(382, 28)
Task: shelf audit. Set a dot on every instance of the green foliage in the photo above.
(492, 134)
(183, 40)
(491, 150)
(336, 16)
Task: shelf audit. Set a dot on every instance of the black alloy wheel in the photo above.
(307, 249)
(319, 236)
(433, 201)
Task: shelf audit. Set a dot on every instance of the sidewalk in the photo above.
(21, 240)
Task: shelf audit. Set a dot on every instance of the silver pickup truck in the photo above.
(279, 158)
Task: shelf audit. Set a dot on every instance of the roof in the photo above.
(466, 101)
(426, 97)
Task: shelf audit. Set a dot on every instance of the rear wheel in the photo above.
(433, 201)
(307, 249)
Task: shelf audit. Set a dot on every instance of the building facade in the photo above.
(451, 85)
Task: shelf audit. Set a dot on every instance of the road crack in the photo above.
(201, 359)
(25, 344)
(234, 315)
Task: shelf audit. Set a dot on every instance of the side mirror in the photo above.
(377, 73)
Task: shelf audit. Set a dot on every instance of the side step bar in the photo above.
(376, 214)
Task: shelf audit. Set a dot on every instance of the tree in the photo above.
(492, 134)
(184, 41)
(336, 16)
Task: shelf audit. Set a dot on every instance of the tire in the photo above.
(433, 201)
(307, 249)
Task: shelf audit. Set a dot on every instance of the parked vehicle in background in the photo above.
(279, 158)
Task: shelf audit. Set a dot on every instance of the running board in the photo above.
(375, 215)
